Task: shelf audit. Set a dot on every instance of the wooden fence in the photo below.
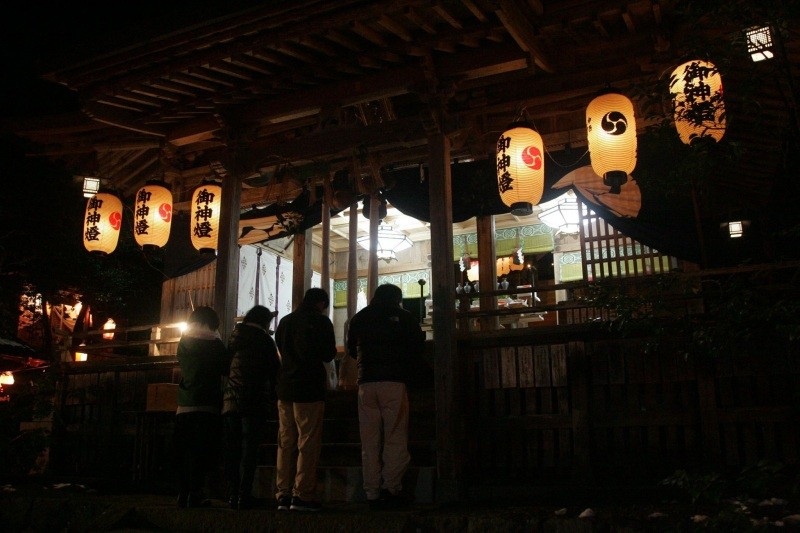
(566, 401)
(589, 408)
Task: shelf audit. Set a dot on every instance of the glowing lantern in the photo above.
(611, 133)
(152, 215)
(80, 353)
(206, 203)
(109, 328)
(520, 168)
(102, 223)
(697, 103)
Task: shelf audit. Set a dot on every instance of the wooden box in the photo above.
(162, 397)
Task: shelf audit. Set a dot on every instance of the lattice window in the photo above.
(606, 252)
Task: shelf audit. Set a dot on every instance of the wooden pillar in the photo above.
(449, 425)
(226, 277)
(301, 266)
(374, 222)
(325, 263)
(348, 372)
(352, 261)
(487, 269)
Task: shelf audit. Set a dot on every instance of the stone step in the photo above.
(345, 484)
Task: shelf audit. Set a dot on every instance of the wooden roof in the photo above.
(320, 85)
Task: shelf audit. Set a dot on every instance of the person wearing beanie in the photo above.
(384, 339)
(248, 399)
(306, 341)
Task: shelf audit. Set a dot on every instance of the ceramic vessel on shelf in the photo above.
(467, 288)
(459, 289)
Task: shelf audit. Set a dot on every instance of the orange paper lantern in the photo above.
(520, 168)
(102, 223)
(697, 103)
(611, 134)
(206, 204)
(152, 215)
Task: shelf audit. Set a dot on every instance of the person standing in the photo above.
(384, 338)
(203, 361)
(306, 341)
(248, 396)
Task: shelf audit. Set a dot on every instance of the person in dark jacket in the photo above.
(384, 338)
(203, 361)
(249, 395)
(306, 341)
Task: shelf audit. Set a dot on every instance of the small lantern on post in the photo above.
(611, 134)
(697, 103)
(206, 204)
(108, 329)
(102, 223)
(152, 215)
(520, 168)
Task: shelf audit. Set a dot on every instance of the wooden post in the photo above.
(449, 426)
(352, 261)
(301, 275)
(226, 277)
(374, 222)
(348, 373)
(487, 270)
(325, 263)
(578, 368)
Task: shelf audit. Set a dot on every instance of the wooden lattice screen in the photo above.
(606, 252)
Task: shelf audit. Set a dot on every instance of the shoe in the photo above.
(303, 505)
(284, 503)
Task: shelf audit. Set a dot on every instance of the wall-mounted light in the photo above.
(520, 168)
(91, 186)
(697, 102)
(611, 134)
(760, 44)
(7, 378)
(206, 205)
(102, 223)
(152, 215)
(735, 228)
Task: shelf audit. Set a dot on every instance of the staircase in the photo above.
(339, 473)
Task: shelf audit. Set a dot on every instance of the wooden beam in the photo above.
(513, 18)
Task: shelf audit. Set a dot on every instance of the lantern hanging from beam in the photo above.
(697, 103)
(102, 223)
(152, 215)
(206, 203)
(611, 134)
(520, 168)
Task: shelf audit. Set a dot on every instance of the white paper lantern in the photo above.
(152, 215)
(520, 168)
(206, 204)
(102, 223)
(697, 102)
(611, 133)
